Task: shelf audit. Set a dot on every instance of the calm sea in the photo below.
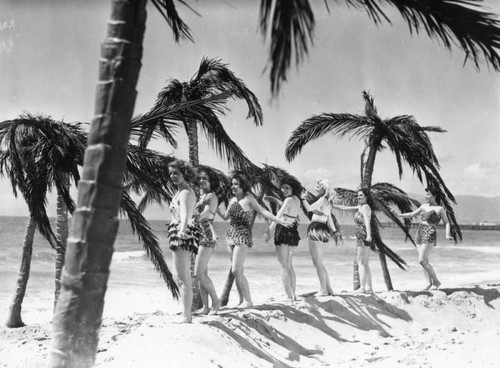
(135, 286)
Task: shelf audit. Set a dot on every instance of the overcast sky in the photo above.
(48, 64)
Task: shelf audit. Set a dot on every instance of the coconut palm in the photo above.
(407, 140)
(38, 154)
(290, 25)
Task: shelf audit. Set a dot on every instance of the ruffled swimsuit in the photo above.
(240, 231)
(287, 235)
(426, 233)
(208, 236)
(191, 239)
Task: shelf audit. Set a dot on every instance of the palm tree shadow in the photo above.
(487, 294)
(251, 346)
(361, 312)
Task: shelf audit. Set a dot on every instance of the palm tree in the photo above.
(213, 78)
(291, 26)
(37, 154)
(401, 134)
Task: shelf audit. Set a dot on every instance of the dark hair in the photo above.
(294, 184)
(368, 195)
(185, 168)
(435, 192)
(212, 178)
(244, 182)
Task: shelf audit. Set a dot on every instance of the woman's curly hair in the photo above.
(185, 168)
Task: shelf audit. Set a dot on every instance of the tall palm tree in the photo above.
(37, 154)
(407, 140)
(290, 24)
(213, 78)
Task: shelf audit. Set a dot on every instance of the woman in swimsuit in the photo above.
(320, 232)
(431, 213)
(183, 233)
(286, 239)
(362, 218)
(240, 212)
(205, 212)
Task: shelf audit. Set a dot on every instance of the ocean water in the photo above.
(135, 286)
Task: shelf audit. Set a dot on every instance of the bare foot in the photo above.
(427, 287)
(203, 310)
(182, 320)
(436, 285)
(215, 308)
(322, 293)
(360, 290)
(368, 291)
(245, 305)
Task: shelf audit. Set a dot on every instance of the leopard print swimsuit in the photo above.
(426, 233)
(240, 231)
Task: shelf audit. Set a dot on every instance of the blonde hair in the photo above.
(325, 184)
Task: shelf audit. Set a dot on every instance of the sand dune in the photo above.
(456, 327)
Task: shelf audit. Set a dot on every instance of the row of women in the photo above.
(191, 231)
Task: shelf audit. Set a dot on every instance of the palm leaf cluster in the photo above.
(201, 100)
(36, 153)
(407, 140)
(464, 23)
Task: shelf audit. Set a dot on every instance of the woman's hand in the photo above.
(286, 224)
(450, 238)
(267, 235)
(270, 198)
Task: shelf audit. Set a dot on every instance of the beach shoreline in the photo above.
(457, 326)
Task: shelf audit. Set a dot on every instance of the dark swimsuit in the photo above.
(426, 233)
(240, 231)
(287, 235)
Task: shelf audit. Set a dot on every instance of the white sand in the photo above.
(454, 327)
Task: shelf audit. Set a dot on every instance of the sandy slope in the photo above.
(457, 327)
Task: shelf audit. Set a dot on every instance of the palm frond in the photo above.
(146, 235)
(214, 77)
(224, 146)
(169, 13)
(454, 22)
(291, 26)
(320, 125)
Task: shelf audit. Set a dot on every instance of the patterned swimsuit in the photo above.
(361, 232)
(240, 231)
(208, 237)
(426, 233)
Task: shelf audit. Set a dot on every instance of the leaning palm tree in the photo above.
(291, 25)
(37, 154)
(402, 135)
(40, 153)
(213, 79)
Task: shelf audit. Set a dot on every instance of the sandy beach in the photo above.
(458, 327)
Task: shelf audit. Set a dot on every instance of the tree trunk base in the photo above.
(14, 320)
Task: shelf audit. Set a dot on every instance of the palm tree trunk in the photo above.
(78, 315)
(385, 271)
(14, 319)
(192, 133)
(366, 182)
(61, 236)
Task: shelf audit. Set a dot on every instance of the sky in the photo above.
(48, 64)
